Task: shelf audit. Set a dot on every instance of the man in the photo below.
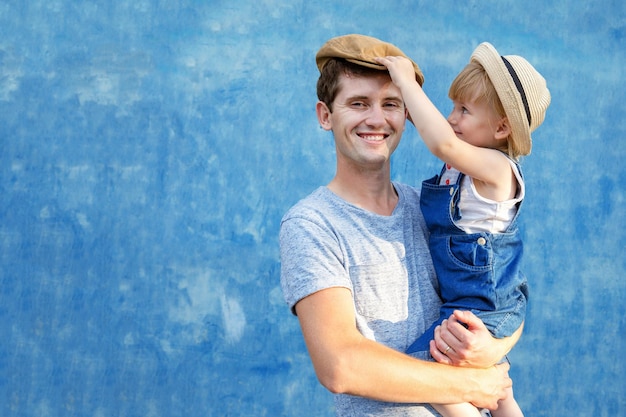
(355, 263)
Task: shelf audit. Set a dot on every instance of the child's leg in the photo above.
(457, 410)
(508, 407)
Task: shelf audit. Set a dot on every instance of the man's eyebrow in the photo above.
(352, 98)
(366, 98)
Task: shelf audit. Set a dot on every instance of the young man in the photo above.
(355, 263)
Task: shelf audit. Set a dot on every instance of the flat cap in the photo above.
(361, 50)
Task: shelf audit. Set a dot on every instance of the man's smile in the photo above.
(373, 137)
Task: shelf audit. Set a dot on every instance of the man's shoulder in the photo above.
(311, 205)
(409, 195)
(408, 190)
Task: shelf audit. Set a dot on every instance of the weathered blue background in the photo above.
(149, 149)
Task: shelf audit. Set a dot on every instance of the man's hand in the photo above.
(497, 387)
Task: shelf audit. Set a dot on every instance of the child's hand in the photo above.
(400, 68)
(463, 340)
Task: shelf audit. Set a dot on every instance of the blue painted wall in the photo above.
(149, 149)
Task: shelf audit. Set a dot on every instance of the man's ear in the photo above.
(407, 116)
(323, 115)
(504, 129)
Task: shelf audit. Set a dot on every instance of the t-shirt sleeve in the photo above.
(311, 259)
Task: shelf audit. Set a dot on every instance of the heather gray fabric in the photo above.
(383, 260)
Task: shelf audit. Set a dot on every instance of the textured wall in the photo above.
(148, 150)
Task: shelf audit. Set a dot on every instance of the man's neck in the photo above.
(371, 191)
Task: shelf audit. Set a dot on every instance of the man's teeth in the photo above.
(373, 137)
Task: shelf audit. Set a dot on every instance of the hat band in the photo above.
(519, 86)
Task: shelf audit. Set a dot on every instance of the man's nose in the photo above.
(375, 116)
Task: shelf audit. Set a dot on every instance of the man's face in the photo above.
(367, 121)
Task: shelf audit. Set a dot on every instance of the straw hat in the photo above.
(522, 91)
(361, 50)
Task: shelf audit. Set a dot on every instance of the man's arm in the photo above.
(346, 362)
(471, 344)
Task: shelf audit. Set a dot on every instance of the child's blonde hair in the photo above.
(473, 85)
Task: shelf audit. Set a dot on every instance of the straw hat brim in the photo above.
(487, 56)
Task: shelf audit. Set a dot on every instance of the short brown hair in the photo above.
(328, 82)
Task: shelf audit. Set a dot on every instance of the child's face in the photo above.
(475, 123)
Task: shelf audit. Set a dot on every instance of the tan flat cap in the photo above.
(361, 50)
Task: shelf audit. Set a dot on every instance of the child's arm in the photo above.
(483, 164)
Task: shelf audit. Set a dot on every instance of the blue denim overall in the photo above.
(478, 272)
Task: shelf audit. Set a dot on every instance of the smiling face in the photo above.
(367, 120)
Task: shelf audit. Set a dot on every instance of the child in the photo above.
(471, 208)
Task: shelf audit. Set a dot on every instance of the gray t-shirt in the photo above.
(383, 260)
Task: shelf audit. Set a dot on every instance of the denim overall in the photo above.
(478, 272)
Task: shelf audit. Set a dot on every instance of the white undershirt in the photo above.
(480, 214)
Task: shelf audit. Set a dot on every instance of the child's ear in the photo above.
(504, 129)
